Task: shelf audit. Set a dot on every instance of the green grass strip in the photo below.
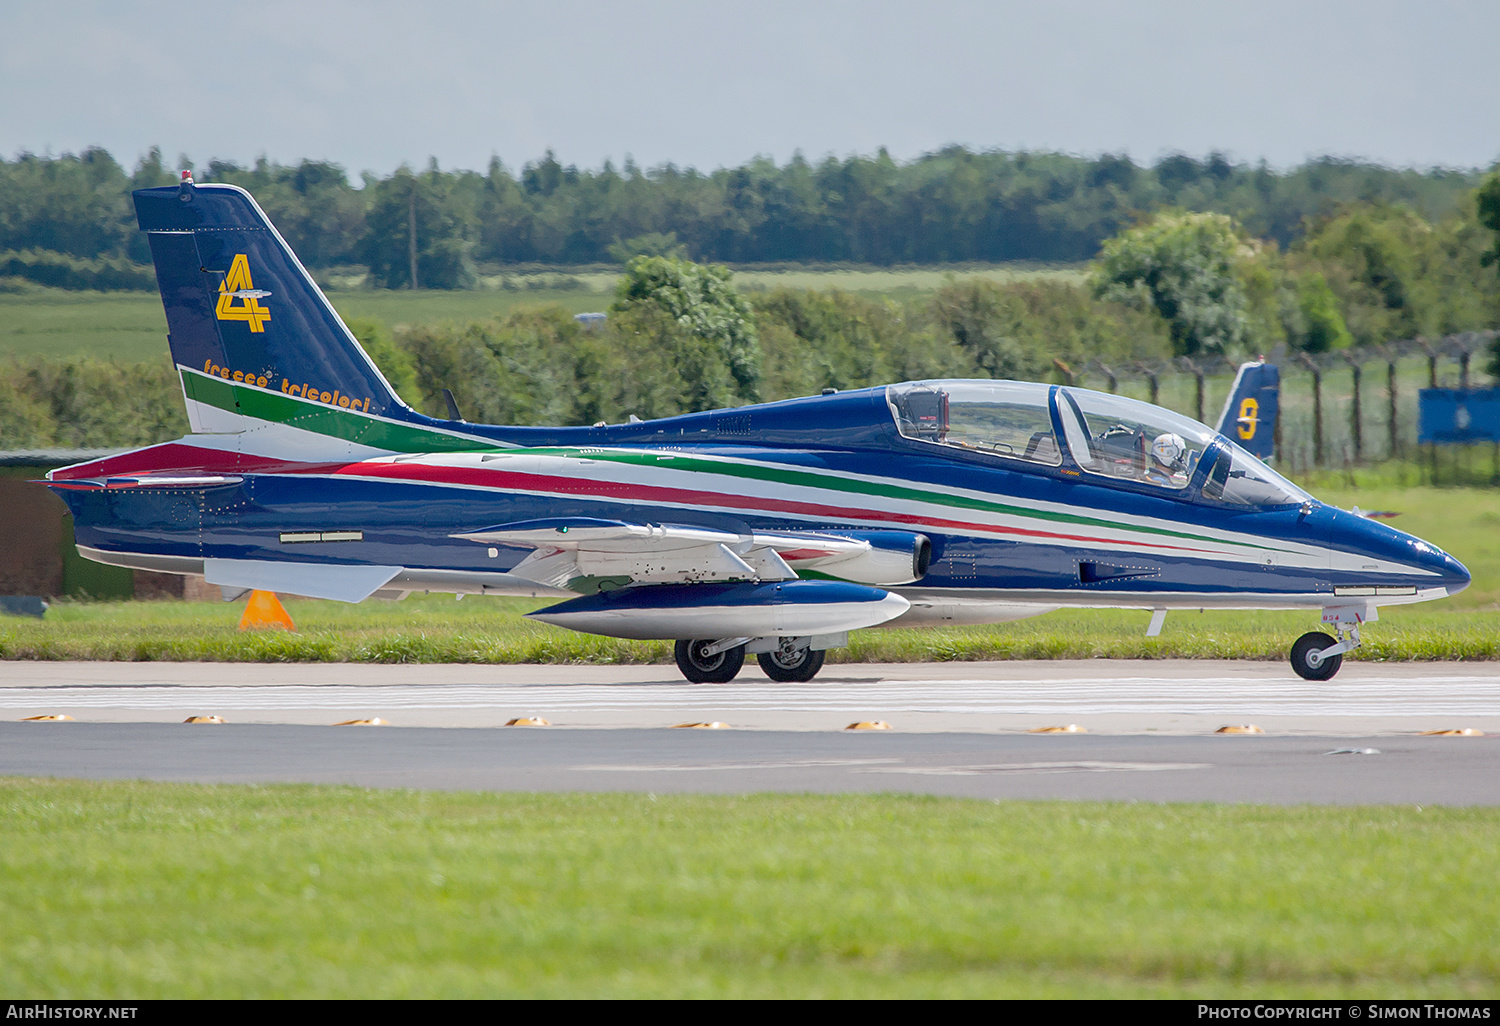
(435, 629)
(492, 630)
(138, 890)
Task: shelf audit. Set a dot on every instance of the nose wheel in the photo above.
(1316, 656)
(1308, 660)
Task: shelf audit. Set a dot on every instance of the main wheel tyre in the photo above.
(1302, 650)
(797, 666)
(719, 668)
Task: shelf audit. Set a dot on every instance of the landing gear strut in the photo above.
(788, 664)
(706, 661)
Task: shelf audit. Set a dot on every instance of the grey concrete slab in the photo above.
(959, 729)
(1275, 770)
(1105, 696)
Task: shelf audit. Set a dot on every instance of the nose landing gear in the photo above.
(1315, 656)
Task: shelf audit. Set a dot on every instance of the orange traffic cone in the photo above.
(264, 612)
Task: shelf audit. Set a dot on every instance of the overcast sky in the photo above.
(376, 84)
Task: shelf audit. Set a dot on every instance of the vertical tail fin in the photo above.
(1249, 416)
(247, 323)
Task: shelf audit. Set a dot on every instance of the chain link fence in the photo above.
(1338, 410)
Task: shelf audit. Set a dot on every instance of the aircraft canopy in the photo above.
(1107, 435)
(1001, 418)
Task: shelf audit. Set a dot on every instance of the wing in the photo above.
(578, 553)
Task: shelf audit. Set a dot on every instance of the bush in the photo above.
(88, 403)
(61, 271)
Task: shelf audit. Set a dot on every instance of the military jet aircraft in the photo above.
(771, 530)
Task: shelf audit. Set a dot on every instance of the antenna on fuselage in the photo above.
(453, 413)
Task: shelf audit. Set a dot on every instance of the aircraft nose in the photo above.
(1371, 539)
(1455, 574)
(1451, 574)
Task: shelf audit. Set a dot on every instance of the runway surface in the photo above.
(958, 729)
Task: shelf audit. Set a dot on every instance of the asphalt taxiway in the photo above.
(957, 729)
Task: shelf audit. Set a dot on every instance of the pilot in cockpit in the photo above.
(1167, 465)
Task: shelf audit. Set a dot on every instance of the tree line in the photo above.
(678, 337)
(681, 337)
(70, 215)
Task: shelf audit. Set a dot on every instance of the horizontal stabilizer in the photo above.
(173, 481)
(340, 581)
(772, 609)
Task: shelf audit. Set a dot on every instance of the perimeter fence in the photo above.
(1355, 407)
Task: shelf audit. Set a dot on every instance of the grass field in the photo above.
(130, 327)
(138, 890)
(489, 630)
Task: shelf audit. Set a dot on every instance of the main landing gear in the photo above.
(788, 660)
(710, 662)
(1316, 656)
(791, 665)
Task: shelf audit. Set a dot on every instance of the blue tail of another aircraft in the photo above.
(1249, 416)
(241, 309)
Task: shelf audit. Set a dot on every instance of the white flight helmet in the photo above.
(1169, 450)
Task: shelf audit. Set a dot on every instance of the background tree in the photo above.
(1487, 208)
(817, 339)
(1368, 256)
(954, 204)
(695, 314)
(975, 314)
(423, 212)
(1487, 203)
(1321, 324)
(312, 204)
(650, 244)
(393, 360)
(1185, 267)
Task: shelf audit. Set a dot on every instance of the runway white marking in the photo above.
(740, 766)
(1452, 695)
(1083, 766)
